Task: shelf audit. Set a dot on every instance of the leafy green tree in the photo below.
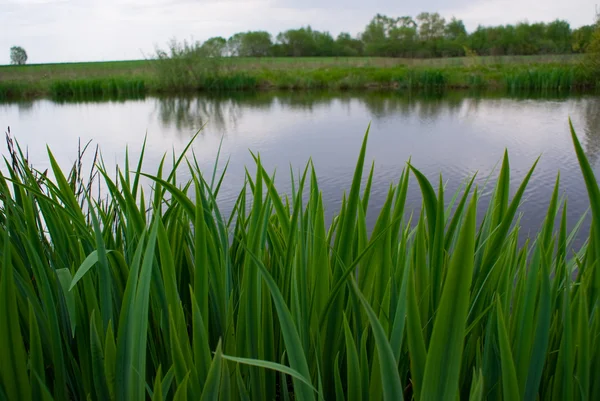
(581, 38)
(454, 41)
(250, 44)
(428, 35)
(324, 44)
(402, 40)
(347, 46)
(455, 29)
(234, 44)
(303, 42)
(391, 37)
(530, 37)
(214, 47)
(593, 49)
(559, 33)
(375, 36)
(431, 26)
(18, 55)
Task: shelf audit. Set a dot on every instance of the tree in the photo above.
(593, 49)
(300, 42)
(18, 55)
(456, 29)
(431, 26)
(559, 33)
(214, 47)
(324, 44)
(580, 39)
(250, 44)
(346, 45)
(390, 37)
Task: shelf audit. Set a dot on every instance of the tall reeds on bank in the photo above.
(150, 292)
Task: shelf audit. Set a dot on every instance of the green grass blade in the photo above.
(181, 394)
(13, 369)
(278, 367)
(593, 190)
(444, 355)
(510, 383)
(583, 351)
(98, 362)
(213, 380)
(64, 277)
(293, 346)
(103, 268)
(429, 199)
(353, 365)
(36, 356)
(476, 393)
(339, 387)
(416, 342)
(542, 337)
(392, 387)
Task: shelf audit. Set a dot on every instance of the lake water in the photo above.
(457, 134)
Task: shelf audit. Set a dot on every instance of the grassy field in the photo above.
(135, 67)
(149, 292)
(129, 78)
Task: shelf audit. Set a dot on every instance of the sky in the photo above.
(103, 30)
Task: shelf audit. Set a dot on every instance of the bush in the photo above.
(186, 66)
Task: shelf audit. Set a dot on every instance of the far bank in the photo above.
(145, 77)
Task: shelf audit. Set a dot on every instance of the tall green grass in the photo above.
(545, 78)
(94, 88)
(150, 292)
(14, 90)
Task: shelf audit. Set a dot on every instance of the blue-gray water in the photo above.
(456, 134)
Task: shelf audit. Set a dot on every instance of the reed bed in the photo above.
(150, 292)
(91, 88)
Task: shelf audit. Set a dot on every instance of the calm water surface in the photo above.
(454, 134)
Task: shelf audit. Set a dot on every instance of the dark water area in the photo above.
(456, 134)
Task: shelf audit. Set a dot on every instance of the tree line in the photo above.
(427, 35)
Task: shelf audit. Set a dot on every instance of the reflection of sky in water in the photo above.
(455, 134)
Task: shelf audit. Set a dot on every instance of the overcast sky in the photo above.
(91, 30)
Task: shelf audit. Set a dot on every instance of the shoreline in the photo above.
(132, 83)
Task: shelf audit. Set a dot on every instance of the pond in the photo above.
(456, 134)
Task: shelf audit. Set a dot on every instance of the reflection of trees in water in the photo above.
(25, 106)
(309, 100)
(219, 112)
(426, 105)
(191, 113)
(222, 112)
(591, 130)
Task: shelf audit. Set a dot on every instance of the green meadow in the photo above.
(147, 291)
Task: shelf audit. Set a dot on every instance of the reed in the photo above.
(545, 79)
(14, 90)
(92, 88)
(150, 292)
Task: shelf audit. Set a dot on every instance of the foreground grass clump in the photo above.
(138, 295)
